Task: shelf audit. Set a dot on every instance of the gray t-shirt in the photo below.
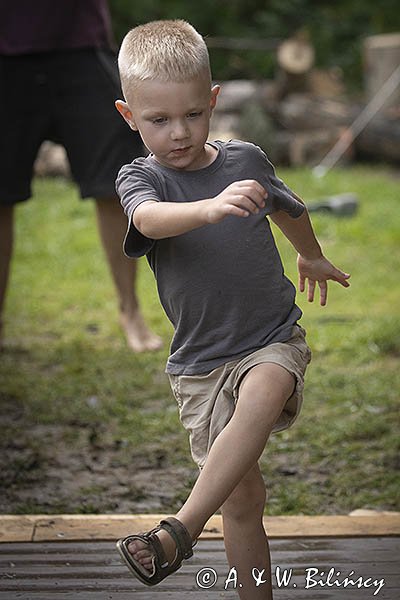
(222, 285)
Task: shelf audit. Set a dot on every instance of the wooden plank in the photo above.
(202, 595)
(279, 544)
(49, 556)
(139, 595)
(301, 580)
(391, 583)
(102, 573)
(100, 552)
(332, 525)
(17, 528)
(106, 527)
(33, 571)
(360, 552)
(110, 527)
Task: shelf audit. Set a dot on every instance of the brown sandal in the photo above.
(161, 568)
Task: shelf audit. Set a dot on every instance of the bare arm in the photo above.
(312, 264)
(299, 232)
(157, 220)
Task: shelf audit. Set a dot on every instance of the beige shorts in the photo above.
(206, 402)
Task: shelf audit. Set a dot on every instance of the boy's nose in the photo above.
(179, 131)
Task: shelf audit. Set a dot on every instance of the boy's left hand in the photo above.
(319, 270)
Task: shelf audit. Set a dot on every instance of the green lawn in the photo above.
(65, 361)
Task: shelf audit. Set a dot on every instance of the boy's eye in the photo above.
(193, 115)
(159, 120)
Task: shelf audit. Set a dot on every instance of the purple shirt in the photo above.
(30, 26)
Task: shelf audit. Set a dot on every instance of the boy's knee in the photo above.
(246, 502)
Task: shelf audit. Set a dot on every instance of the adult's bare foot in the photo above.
(139, 337)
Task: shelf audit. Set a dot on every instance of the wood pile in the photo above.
(301, 114)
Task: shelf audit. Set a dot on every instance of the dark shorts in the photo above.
(66, 97)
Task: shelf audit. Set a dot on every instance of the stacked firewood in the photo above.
(301, 114)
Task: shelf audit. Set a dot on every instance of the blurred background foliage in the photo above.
(336, 29)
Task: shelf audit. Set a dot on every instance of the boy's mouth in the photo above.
(180, 150)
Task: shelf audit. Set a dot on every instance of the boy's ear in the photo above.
(126, 113)
(214, 93)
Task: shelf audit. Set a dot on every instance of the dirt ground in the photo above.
(79, 469)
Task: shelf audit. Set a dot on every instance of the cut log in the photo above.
(380, 140)
(303, 111)
(381, 58)
(326, 82)
(302, 128)
(300, 113)
(295, 58)
(296, 55)
(224, 126)
(309, 147)
(234, 94)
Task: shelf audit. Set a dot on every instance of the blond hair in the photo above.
(169, 50)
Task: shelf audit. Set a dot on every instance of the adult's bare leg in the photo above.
(112, 225)
(6, 249)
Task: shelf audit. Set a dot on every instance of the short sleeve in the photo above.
(280, 196)
(134, 186)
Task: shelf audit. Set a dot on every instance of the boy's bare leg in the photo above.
(246, 543)
(6, 248)
(112, 226)
(263, 394)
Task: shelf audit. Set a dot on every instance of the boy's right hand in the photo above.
(241, 199)
(159, 220)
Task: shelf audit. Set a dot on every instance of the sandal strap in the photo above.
(160, 559)
(161, 567)
(180, 535)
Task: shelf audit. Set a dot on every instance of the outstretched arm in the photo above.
(312, 264)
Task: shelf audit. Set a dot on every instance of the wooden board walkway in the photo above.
(93, 571)
(47, 528)
(73, 557)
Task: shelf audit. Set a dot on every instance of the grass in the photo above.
(66, 364)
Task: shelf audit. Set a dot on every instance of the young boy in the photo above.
(198, 210)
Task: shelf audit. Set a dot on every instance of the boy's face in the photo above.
(173, 120)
